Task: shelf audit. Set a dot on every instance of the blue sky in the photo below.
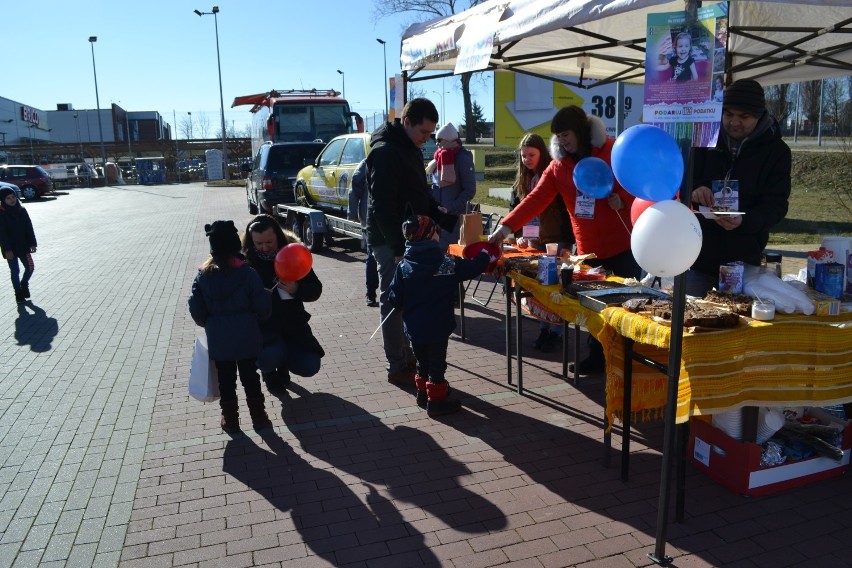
(158, 55)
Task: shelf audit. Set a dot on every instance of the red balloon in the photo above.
(293, 262)
(638, 207)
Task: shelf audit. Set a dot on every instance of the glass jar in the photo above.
(773, 263)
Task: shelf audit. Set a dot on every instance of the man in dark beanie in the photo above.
(750, 167)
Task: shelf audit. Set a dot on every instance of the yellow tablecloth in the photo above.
(794, 360)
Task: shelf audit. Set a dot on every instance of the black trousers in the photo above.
(248, 376)
(431, 359)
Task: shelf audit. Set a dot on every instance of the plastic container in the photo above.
(772, 262)
(763, 310)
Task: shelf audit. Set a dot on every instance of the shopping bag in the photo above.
(470, 229)
(203, 378)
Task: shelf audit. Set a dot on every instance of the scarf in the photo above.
(445, 160)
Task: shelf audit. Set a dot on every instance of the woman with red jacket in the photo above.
(601, 226)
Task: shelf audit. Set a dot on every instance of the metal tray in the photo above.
(598, 300)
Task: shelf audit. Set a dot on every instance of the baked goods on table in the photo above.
(695, 314)
(737, 303)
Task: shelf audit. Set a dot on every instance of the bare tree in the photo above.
(834, 104)
(185, 127)
(202, 125)
(778, 102)
(425, 10)
(810, 102)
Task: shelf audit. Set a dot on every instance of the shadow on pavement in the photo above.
(35, 329)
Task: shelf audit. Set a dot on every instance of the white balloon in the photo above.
(666, 238)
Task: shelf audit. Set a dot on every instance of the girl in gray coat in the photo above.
(228, 300)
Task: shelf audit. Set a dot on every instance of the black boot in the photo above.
(284, 377)
(257, 410)
(438, 402)
(272, 380)
(594, 363)
(542, 339)
(19, 297)
(25, 289)
(230, 416)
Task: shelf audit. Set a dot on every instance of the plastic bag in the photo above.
(203, 378)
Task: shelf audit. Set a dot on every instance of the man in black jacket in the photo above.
(750, 166)
(397, 189)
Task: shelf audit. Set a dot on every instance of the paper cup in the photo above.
(731, 423)
(552, 248)
(770, 422)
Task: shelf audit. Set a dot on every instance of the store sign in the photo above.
(29, 115)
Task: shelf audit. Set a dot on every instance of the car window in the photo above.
(331, 155)
(353, 153)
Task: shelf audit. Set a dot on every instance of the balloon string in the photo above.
(618, 214)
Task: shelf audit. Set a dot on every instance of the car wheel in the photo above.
(312, 241)
(29, 192)
(302, 195)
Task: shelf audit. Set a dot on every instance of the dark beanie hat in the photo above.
(224, 238)
(745, 95)
(418, 228)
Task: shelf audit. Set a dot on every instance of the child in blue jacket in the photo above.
(424, 288)
(228, 300)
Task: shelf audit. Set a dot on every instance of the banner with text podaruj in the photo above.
(684, 67)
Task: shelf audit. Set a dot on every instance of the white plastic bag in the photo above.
(203, 378)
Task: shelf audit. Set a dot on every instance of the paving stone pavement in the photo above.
(106, 461)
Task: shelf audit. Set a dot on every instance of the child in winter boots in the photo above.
(424, 287)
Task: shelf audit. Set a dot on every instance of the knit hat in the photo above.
(418, 228)
(745, 95)
(224, 238)
(447, 132)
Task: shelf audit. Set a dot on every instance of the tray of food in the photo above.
(598, 300)
(575, 288)
(697, 316)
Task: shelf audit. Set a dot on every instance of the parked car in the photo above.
(33, 180)
(326, 183)
(11, 186)
(272, 174)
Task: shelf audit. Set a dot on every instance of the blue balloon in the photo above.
(593, 176)
(647, 162)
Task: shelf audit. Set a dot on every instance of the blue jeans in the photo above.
(371, 274)
(15, 270)
(397, 349)
(280, 354)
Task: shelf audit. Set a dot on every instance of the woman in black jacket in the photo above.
(17, 242)
(288, 342)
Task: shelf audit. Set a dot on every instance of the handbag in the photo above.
(203, 377)
(470, 229)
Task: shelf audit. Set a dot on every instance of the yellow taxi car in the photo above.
(326, 183)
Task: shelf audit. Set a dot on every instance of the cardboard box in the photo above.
(825, 305)
(736, 465)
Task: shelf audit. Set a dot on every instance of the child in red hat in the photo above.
(424, 288)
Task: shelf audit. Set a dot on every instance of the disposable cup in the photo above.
(770, 422)
(552, 248)
(731, 423)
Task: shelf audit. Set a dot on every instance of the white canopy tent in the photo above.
(773, 41)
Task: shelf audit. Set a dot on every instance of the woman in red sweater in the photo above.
(601, 226)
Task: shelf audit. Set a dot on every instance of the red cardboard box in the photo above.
(736, 465)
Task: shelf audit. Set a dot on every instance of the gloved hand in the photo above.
(499, 234)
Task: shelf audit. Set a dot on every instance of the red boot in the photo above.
(422, 396)
(438, 402)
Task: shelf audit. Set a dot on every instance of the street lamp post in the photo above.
(443, 116)
(343, 77)
(92, 40)
(385, 78)
(221, 98)
(190, 135)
